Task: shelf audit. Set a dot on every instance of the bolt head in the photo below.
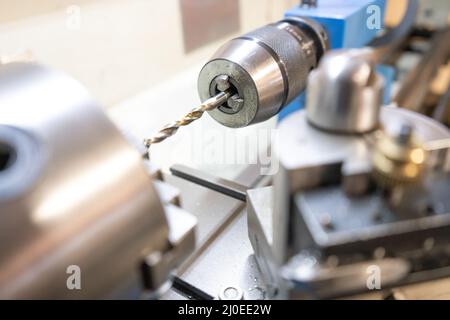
(231, 293)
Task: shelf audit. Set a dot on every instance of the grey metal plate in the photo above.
(224, 255)
(227, 262)
(367, 217)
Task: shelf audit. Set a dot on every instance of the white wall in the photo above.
(121, 47)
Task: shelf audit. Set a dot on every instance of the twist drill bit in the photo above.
(195, 114)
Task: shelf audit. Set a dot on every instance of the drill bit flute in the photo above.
(195, 114)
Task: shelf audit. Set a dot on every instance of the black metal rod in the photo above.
(226, 187)
(188, 290)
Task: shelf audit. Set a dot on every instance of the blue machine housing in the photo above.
(349, 24)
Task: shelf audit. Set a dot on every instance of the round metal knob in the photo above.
(344, 93)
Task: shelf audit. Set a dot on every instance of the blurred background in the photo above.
(140, 58)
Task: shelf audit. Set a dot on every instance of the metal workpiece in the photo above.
(345, 93)
(75, 196)
(265, 69)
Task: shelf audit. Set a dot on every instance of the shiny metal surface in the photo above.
(266, 68)
(258, 93)
(229, 188)
(330, 282)
(211, 269)
(324, 154)
(221, 223)
(344, 93)
(228, 260)
(73, 193)
(320, 149)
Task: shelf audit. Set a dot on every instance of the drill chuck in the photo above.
(264, 69)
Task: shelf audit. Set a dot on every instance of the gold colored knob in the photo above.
(398, 159)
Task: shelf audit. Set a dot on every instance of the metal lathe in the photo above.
(359, 206)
